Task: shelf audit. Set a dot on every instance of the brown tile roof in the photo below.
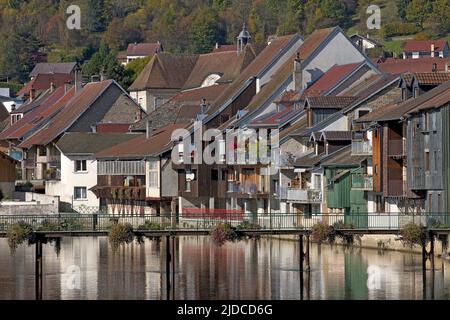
(66, 117)
(276, 118)
(40, 115)
(165, 71)
(424, 45)
(307, 161)
(225, 48)
(392, 112)
(226, 64)
(439, 97)
(261, 61)
(140, 146)
(143, 49)
(432, 78)
(288, 97)
(398, 66)
(90, 143)
(313, 41)
(337, 135)
(43, 82)
(179, 107)
(301, 124)
(53, 68)
(342, 158)
(333, 102)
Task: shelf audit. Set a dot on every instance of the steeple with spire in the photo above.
(243, 39)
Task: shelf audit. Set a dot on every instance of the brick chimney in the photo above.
(32, 93)
(52, 86)
(78, 79)
(298, 73)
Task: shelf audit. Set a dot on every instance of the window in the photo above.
(80, 193)
(80, 166)
(153, 176)
(362, 113)
(214, 175)
(427, 161)
(317, 182)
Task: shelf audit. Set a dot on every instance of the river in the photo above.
(86, 268)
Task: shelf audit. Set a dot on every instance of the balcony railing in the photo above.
(305, 196)
(30, 163)
(362, 182)
(249, 188)
(53, 175)
(361, 148)
(397, 148)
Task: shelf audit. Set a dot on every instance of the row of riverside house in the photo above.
(355, 135)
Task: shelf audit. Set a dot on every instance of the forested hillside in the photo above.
(30, 29)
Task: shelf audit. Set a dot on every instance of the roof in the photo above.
(356, 35)
(225, 48)
(291, 129)
(307, 161)
(424, 45)
(44, 81)
(143, 49)
(165, 71)
(431, 78)
(398, 66)
(32, 104)
(288, 97)
(221, 63)
(34, 119)
(397, 111)
(181, 107)
(69, 114)
(313, 41)
(342, 158)
(330, 78)
(337, 135)
(439, 97)
(90, 143)
(255, 68)
(52, 68)
(141, 147)
(276, 118)
(332, 102)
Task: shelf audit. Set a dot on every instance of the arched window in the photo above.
(211, 80)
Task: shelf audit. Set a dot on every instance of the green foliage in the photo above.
(413, 234)
(247, 225)
(322, 232)
(398, 29)
(120, 234)
(205, 31)
(418, 11)
(18, 234)
(222, 233)
(147, 226)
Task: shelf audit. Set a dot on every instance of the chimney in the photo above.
(298, 73)
(434, 68)
(32, 94)
(203, 106)
(446, 67)
(52, 86)
(67, 86)
(432, 50)
(13, 107)
(78, 79)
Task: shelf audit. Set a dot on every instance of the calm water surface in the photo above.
(252, 269)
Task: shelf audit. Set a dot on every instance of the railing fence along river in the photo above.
(177, 225)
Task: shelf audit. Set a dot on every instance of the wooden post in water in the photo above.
(38, 269)
(301, 260)
(173, 266)
(431, 255)
(308, 244)
(168, 257)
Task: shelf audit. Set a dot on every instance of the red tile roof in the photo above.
(143, 49)
(432, 78)
(34, 119)
(42, 81)
(334, 102)
(424, 45)
(330, 79)
(398, 66)
(70, 113)
(276, 118)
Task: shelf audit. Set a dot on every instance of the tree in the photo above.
(295, 14)
(418, 11)
(440, 17)
(401, 8)
(205, 31)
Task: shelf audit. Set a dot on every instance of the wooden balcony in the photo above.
(397, 148)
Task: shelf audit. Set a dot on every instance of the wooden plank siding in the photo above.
(377, 151)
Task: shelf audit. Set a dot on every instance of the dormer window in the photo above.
(211, 80)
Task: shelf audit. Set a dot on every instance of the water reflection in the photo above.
(252, 269)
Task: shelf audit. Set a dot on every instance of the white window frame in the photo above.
(76, 166)
(75, 193)
(153, 175)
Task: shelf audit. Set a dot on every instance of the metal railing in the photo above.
(361, 148)
(302, 195)
(204, 221)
